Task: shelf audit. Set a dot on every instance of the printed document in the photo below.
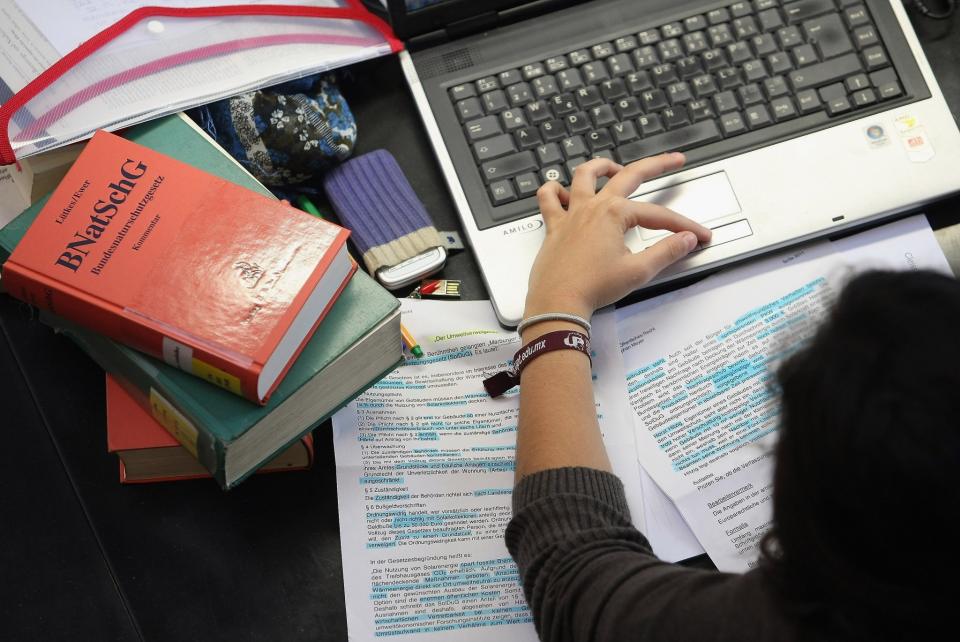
(700, 371)
(425, 465)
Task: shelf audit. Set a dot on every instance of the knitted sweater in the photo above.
(588, 574)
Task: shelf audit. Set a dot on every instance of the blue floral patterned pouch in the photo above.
(284, 135)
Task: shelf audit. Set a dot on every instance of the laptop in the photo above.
(798, 118)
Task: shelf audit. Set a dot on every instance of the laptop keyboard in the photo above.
(685, 85)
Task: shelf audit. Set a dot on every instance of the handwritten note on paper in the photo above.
(700, 367)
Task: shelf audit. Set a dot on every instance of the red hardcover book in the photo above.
(148, 453)
(213, 278)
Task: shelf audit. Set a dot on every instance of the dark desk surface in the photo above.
(84, 558)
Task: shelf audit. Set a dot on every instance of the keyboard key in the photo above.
(745, 27)
(775, 87)
(619, 64)
(809, 101)
(569, 79)
(720, 35)
(502, 192)
(520, 95)
(732, 124)
(533, 70)
(675, 117)
(653, 100)
(799, 11)
(602, 50)
(825, 72)
(599, 139)
(549, 154)
(757, 116)
(626, 43)
(739, 52)
(883, 76)
(670, 50)
(588, 96)
(865, 37)
(509, 77)
(645, 57)
(688, 67)
(700, 110)
(572, 165)
(556, 63)
(762, 5)
(714, 59)
(577, 122)
(494, 147)
(545, 86)
(563, 104)
(679, 93)
(483, 128)
(594, 72)
(602, 115)
(579, 57)
(676, 140)
(507, 166)
(718, 16)
(663, 74)
(876, 58)
(613, 89)
(513, 119)
(469, 108)
(623, 132)
(638, 81)
(672, 30)
(829, 35)
(650, 125)
(704, 86)
(856, 16)
(649, 37)
(528, 137)
(488, 83)
(889, 90)
(527, 184)
(554, 173)
(838, 106)
(856, 83)
(830, 92)
(750, 95)
(729, 79)
(459, 92)
(740, 9)
(695, 23)
(725, 101)
(763, 45)
(553, 130)
(495, 101)
(789, 37)
(753, 70)
(805, 55)
(783, 109)
(537, 112)
(864, 97)
(770, 19)
(779, 63)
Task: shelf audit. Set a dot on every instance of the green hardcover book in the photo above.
(357, 343)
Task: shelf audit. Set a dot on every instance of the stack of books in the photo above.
(231, 320)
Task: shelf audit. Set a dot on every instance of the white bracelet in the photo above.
(553, 316)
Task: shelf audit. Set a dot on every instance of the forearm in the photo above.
(558, 420)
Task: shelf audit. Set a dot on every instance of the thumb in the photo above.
(659, 256)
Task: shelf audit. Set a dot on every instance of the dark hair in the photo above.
(866, 485)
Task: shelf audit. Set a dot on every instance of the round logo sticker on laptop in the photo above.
(876, 136)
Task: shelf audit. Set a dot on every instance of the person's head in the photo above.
(866, 491)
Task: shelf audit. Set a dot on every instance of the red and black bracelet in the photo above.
(499, 383)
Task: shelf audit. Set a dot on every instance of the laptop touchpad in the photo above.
(701, 199)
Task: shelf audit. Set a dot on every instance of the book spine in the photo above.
(151, 391)
(130, 329)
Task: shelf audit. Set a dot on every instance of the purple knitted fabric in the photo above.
(372, 198)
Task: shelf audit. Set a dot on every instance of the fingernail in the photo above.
(690, 239)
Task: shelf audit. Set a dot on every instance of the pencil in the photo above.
(410, 342)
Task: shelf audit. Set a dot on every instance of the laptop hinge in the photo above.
(454, 30)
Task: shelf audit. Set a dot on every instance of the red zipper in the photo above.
(85, 49)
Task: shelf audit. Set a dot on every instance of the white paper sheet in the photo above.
(425, 475)
(700, 363)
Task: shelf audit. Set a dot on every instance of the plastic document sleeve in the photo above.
(158, 60)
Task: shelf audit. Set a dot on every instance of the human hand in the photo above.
(584, 263)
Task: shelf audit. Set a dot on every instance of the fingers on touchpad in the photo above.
(703, 199)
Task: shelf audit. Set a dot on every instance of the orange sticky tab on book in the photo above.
(175, 423)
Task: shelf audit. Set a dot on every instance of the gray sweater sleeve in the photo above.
(588, 574)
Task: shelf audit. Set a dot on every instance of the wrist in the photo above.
(536, 305)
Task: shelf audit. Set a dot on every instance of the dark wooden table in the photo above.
(84, 558)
